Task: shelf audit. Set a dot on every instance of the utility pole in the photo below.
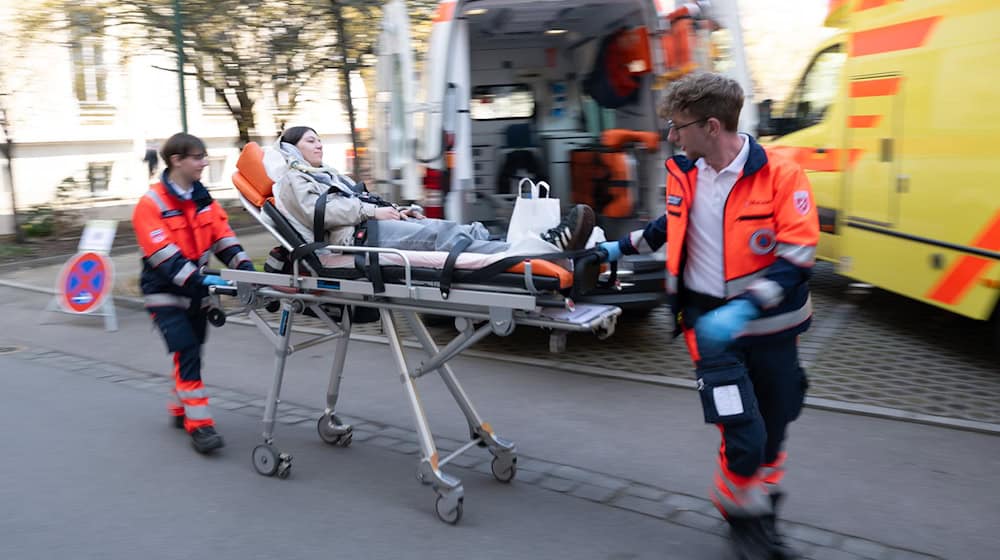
(8, 153)
(179, 42)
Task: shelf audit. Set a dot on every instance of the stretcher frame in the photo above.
(499, 311)
(478, 311)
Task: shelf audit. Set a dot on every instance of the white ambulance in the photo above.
(561, 90)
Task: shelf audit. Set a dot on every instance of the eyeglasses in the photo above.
(674, 127)
(200, 157)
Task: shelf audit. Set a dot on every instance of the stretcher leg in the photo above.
(450, 493)
(330, 428)
(266, 458)
(503, 451)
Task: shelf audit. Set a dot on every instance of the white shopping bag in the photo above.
(535, 215)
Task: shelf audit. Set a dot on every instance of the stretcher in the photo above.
(535, 293)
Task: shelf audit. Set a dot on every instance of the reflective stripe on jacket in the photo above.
(176, 237)
(770, 231)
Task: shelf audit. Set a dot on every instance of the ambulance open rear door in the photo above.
(395, 136)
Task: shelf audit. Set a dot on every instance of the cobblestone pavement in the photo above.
(671, 507)
(865, 347)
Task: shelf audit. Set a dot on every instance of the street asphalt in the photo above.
(94, 470)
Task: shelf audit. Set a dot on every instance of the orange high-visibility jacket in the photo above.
(770, 231)
(177, 237)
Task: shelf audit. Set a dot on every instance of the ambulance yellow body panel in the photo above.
(897, 122)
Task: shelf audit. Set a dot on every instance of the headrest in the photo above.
(617, 137)
(251, 178)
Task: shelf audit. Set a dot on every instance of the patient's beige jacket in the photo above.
(296, 192)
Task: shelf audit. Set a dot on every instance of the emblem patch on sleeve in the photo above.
(157, 236)
(802, 203)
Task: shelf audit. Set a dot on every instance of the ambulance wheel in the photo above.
(450, 516)
(557, 342)
(265, 460)
(504, 471)
(217, 317)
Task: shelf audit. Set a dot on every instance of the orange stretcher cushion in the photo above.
(251, 178)
(546, 268)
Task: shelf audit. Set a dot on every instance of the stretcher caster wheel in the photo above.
(448, 511)
(265, 459)
(504, 470)
(333, 431)
(216, 317)
(284, 469)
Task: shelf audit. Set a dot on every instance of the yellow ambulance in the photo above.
(896, 120)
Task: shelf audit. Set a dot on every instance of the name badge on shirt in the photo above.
(172, 213)
(674, 200)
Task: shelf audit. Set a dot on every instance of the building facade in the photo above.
(83, 109)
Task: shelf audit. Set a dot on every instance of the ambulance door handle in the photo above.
(820, 150)
(902, 183)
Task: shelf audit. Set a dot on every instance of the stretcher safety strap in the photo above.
(449, 264)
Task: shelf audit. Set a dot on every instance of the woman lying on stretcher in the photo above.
(296, 166)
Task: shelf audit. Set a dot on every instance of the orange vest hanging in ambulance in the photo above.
(770, 230)
(177, 237)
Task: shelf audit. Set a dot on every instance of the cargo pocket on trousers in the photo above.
(726, 392)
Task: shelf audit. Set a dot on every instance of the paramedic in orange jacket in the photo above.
(741, 229)
(179, 227)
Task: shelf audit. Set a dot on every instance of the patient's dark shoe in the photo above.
(206, 439)
(575, 229)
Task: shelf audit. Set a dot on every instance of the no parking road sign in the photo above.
(85, 282)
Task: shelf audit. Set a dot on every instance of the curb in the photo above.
(817, 403)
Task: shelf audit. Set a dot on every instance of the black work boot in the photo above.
(750, 538)
(573, 232)
(780, 549)
(178, 421)
(206, 439)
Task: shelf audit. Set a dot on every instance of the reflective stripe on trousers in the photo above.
(189, 389)
(735, 495)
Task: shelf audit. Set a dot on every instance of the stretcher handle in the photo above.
(220, 290)
(407, 272)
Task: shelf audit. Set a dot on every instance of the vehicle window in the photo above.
(513, 101)
(818, 87)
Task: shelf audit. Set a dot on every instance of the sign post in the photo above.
(85, 283)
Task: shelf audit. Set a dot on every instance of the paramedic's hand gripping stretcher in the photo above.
(401, 286)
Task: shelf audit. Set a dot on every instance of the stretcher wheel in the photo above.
(217, 317)
(265, 460)
(451, 516)
(504, 471)
(284, 469)
(332, 431)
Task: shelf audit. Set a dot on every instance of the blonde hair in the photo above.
(703, 95)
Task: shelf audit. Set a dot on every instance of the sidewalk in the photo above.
(859, 487)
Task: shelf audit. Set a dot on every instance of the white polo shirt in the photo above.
(703, 271)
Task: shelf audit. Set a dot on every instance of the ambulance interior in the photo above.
(531, 114)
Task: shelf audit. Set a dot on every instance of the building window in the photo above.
(98, 177)
(216, 165)
(90, 75)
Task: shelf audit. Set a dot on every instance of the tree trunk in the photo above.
(244, 117)
(345, 72)
(8, 154)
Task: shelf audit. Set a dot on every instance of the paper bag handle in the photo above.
(534, 188)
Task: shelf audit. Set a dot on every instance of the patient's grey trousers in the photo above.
(430, 234)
